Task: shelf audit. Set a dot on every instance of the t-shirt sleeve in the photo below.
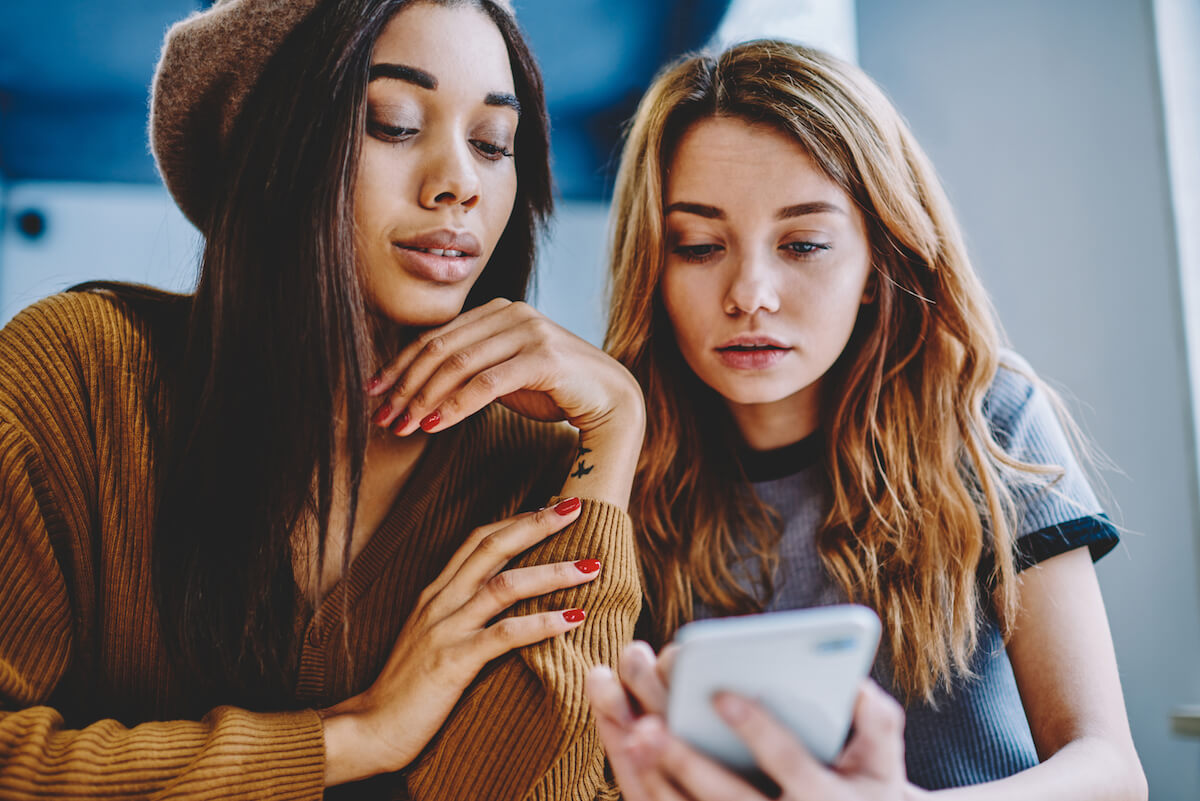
(231, 753)
(542, 742)
(1056, 511)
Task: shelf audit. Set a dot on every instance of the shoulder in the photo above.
(64, 353)
(1019, 405)
(74, 327)
(1013, 387)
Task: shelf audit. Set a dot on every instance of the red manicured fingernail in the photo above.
(574, 615)
(587, 565)
(382, 414)
(374, 382)
(431, 420)
(567, 506)
(400, 423)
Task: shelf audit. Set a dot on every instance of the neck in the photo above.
(767, 426)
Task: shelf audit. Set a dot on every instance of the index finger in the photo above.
(776, 750)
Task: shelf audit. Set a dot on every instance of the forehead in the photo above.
(727, 157)
(458, 45)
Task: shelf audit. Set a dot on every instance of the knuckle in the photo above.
(487, 380)
(491, 546)
(450, 407)
(401, 387)
(460, 360)
(506, 629)
(446, 660)
(436, 345)
(540, 327)
(503, 587)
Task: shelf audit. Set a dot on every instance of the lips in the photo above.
(443, 242)
(443, 256)
(752, 352)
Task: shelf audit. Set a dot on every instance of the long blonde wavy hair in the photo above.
(918, 496)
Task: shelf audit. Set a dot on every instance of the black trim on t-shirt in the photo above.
(781, 462)
(1095, 531)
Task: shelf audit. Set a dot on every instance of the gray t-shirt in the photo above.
(978, 731)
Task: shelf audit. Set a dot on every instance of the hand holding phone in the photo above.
(804, 666)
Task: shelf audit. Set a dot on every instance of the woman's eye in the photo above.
(389, 133)
(696, 253)
(805, 248)
(490, 150)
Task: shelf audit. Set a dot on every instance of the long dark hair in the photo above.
(280, 344)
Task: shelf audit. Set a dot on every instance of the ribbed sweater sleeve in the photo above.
(525, 730)
(56, 580)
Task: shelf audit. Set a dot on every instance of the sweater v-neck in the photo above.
(409, 507)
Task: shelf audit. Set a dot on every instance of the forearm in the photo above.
(232, 753)
(1087, 769)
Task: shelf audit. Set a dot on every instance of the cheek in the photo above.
(371, 195)
(503, 189)
(684, 309)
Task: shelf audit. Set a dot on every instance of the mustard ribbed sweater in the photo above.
(87, 701)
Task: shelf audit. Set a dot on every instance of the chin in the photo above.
(744, 395)
(421, 309)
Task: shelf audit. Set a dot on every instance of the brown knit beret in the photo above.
(210, 62)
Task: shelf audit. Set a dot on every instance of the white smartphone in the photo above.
(804, 666)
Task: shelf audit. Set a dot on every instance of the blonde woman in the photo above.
(832, 417)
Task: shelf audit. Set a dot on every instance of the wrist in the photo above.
(351, 754)
(623, 426)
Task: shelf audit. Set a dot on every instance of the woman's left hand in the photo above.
(650, 764)
(510, 352)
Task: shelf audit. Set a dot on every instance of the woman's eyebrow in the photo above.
(425, 80)
(815, 207)
(699, 209)
(403, 72)
(503, 99)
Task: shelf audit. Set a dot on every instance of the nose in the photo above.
(450, 177)
(752, 287)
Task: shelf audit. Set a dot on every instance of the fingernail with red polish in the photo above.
(574, 615)
(382, 414)
(587, 565)
(431, 420)
(567, 506)
(374, 382)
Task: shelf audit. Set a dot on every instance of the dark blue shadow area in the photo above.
(598, 58)
(74, 78)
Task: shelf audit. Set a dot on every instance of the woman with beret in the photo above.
(284, 533)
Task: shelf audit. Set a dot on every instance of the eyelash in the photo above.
(394, 133)
(698, 254)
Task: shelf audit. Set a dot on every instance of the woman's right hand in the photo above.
(447, 639)
(651, 764)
